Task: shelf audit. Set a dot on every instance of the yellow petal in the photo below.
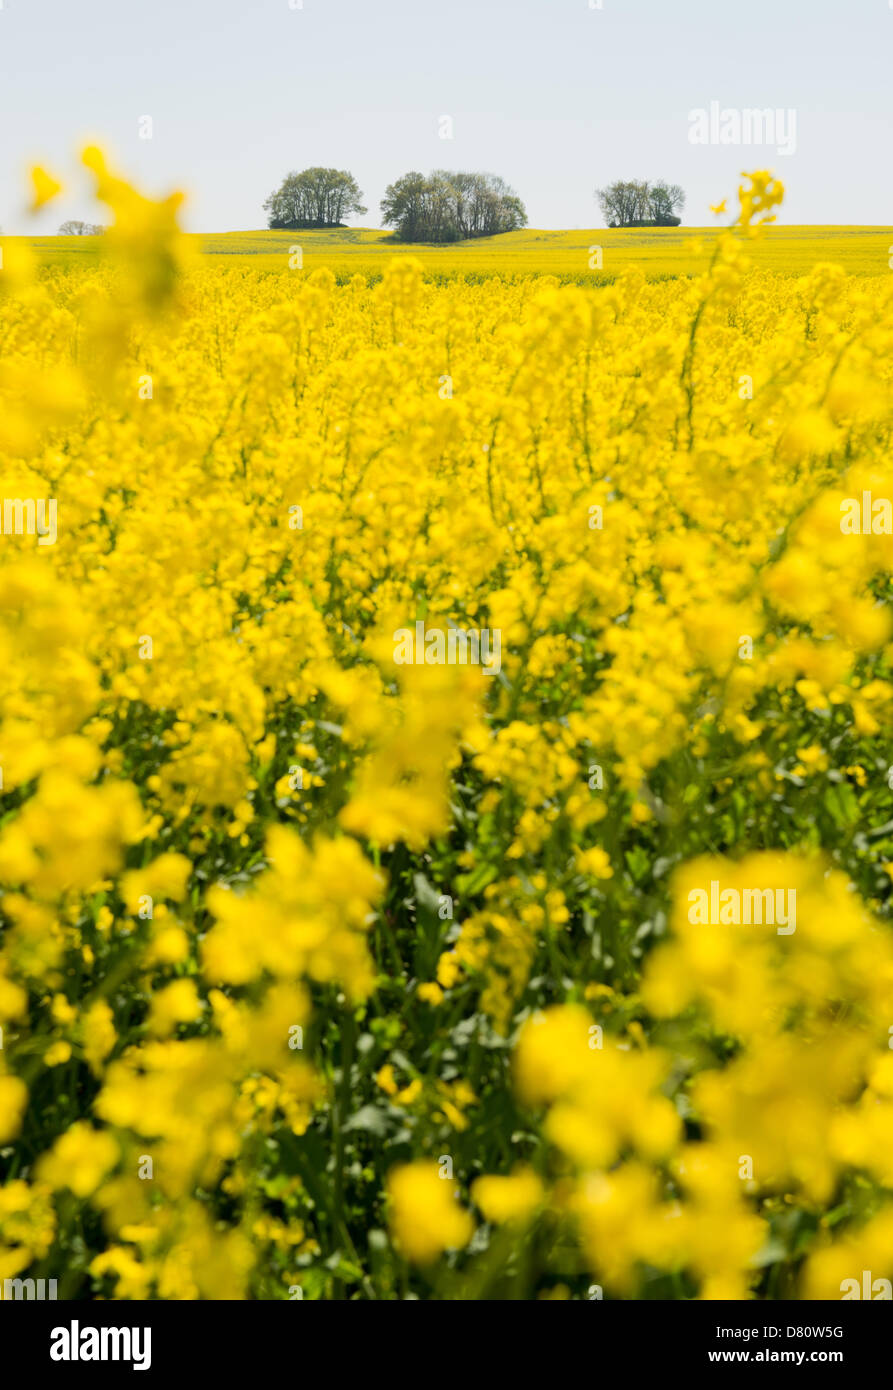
(45, 188)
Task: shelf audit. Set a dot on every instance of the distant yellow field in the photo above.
(658, 252)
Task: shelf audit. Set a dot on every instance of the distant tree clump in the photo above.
(636, 203)
(451, 207)
(81, 229)
(314, 198)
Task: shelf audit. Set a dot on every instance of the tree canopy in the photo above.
(451, 206)
(637, 203)
(314, 198)
(75, 228)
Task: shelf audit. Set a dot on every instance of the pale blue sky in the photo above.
(554, 96)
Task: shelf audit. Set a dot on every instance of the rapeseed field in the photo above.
(446, 734)
(591, 256)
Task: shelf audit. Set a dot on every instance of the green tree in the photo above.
(637, 203)
(315, 198)
(451, 206)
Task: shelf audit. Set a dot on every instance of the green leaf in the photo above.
(637, 862)
(478, 879)
(841, 804)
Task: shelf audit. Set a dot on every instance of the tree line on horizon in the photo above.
(450, 205)
(75, 228)
(445, 206)
(637, 203)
